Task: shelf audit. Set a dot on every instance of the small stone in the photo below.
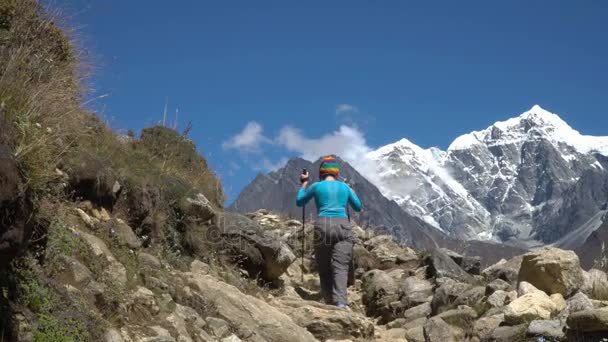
(437, 330)
(231, 338)
(149, 261)
(113, 335)
(198, 266)
(524, 288)
(546, 328)
(498, 299)
(218, 326)
(495, 285)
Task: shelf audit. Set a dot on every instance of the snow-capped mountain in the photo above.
(532, 177)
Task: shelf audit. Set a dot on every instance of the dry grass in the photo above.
(39, 87)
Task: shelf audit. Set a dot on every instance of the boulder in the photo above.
(186, 322)
(498, 299)
(525, 288)
(593, 320)
(471, 265)
(414, 291)
(326, 321)
(394, 335)
(231, 338)
(198, 207)
(114, 270)
(462, 317)
(437, 330)
(531, 306)
(446, 294)
(547, 328)
(509, 333)
(417, 312)
(124, 234)
(559, 301)
(496, 285)
(386, 251)
(252, 316)
(416, 334)
(143, 302)
(552, 270)
(483, 327)
(579, 302)
(253, 248)
(505, 270)
(113, 335)
(148, 261)
(471, 296)
(379, 290)
(217, 326)
(595, 283)
(441, 265)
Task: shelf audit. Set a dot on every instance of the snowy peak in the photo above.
(534, 124)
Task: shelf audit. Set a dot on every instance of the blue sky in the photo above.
(289, 73)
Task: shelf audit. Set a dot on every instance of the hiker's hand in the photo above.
(304, 177)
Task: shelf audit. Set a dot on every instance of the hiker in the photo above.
(333, 232)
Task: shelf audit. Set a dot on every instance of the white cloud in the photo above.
(250, 139)
(347, 142)
(344, 108)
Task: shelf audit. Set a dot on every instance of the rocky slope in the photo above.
(124, 239)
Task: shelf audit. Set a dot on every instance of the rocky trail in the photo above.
(398, 295)
(124, 238)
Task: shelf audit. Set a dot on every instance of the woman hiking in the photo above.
(333, 232)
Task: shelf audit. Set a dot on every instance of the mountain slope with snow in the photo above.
(504, 183)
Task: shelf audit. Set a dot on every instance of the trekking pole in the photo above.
(303, 233)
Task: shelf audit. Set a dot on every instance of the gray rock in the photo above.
(462, 317)
(437, 330)
(415, 334)
(579, 302)
(149, 261)
(485, 326)
(219, 327)
(497, 284)
(379, 290)
(199, 207)
(420, 311)
(441, 265)
(509, 333)
(547, 328)
(414, 291)
(507, 270)
(231, 338)
(248, 313)
(123, 233)
(471, 296)
(498, 299)
(589, 320)
(446, 294)
(261, 254)
(113, 335)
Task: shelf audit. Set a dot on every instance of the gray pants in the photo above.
(333, 251)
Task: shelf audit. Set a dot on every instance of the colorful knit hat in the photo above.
(329, 166)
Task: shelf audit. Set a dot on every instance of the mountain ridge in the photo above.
(505, 183)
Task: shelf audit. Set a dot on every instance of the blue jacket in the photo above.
(331, 198)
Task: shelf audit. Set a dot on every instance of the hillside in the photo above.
(114, 238)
